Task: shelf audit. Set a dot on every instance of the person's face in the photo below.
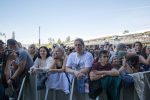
(78, 46)
(148, 50)
(32, 50)
(138, 47)
(57, 54)
(106, 46)
(104, 59)
(101, 47)
(115, 61)
(43, 52)
(10, 46)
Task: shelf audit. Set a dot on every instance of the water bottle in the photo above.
(81, 85)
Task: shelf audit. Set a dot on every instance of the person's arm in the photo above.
(143, 60)
(94, 76)
(35, 64)
(18, 72)
(56, 70)
(49, 62)
(85, 70)
(125, 67)
(76, 73)
(34, 67)
(112, 72)
(21, 66)
(53, 67)
(20, 69)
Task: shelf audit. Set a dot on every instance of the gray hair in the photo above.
(61, 49)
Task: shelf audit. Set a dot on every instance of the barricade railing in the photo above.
(40, 94)
(125, 94)
(71, 90)
(58, 90)
(21, 88)
(131, 93)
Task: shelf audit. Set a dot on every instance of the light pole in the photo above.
(5, 38)
(39, 37)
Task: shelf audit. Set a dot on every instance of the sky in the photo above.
(87, 19)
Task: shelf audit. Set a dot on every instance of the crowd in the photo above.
(93, 70)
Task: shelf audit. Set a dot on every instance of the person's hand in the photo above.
(80, 75)
(95, 75)
(33, 70)
(9, 82)
(133, 50)
(38, 70)
(92, 73)
(98, 72)
(76, 73)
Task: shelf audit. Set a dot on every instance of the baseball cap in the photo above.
(11, 42)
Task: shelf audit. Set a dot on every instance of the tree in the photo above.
(51, 41)
(67, 39)
(59, 41)
(125, 31)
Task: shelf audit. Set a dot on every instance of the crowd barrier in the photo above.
(142, 85)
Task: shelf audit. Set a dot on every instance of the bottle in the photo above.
(81, 85)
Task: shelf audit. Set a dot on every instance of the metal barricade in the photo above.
(72, 88)
(125, 94)
(131, 93)
(21, 89)
(58, 91)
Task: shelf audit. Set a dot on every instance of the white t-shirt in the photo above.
(77, 62)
